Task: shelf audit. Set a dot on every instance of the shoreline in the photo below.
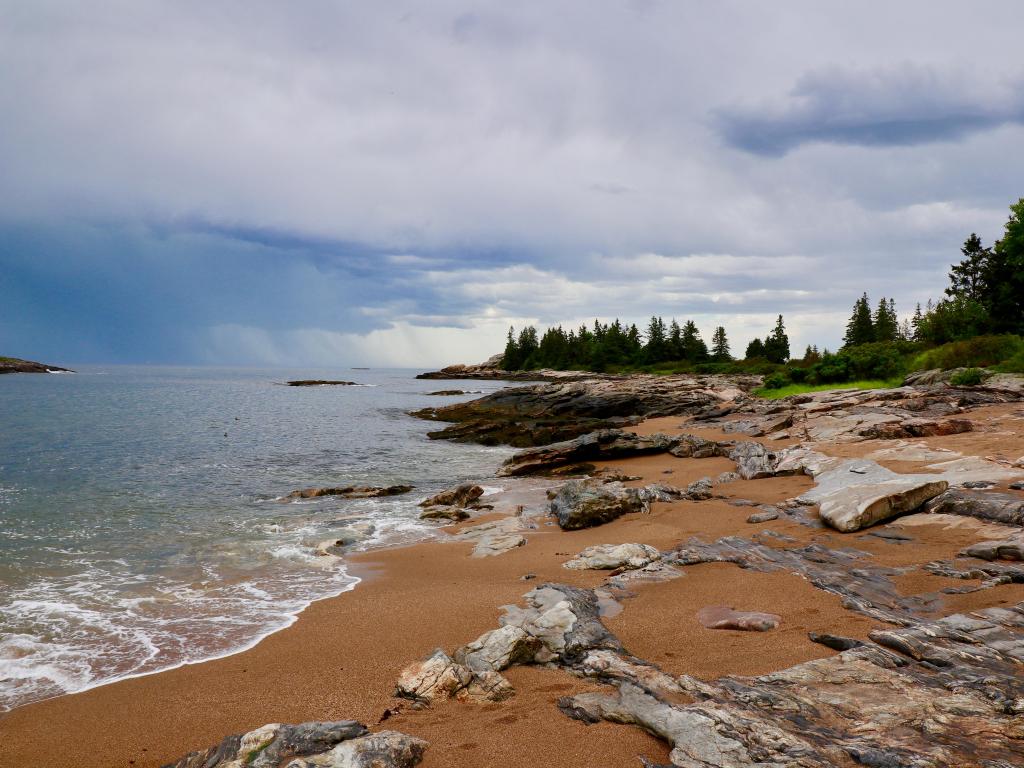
(341, 656)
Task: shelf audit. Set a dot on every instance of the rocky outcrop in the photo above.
(351, 492)
(463, 495)
(321, 383)
(726, 617)
(547, 413)
(1010, 548)
(340, 744)
(16, 365)
(985, 505)
(602, 445)
(860, 493)
(613, 556)
(453, 392)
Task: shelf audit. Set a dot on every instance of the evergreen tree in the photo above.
(720, 346)
(885, 321)
(776, 346)
(528, 345)
(656, 349)
(1004, 276)
(675, 341)
(510, 360)
(861, 328)
(755, 349)
(968, 278)
(694, 348)
(916, 322)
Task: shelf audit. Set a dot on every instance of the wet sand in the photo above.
(341, 658)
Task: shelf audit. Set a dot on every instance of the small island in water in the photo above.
(17, 365)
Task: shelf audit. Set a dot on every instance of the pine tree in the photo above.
(675, 341)
(655, 351)
(776, 346)
(861, 328)
(915, 323)
(967, 279)
(720, 346)
(885, 322)
(510, 359)
(694, 348)
(1004, 276)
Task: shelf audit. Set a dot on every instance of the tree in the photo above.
(510, 360)
(694, 348)
(1004, 276)
(776, 346)
(755, 349)
(968, 278)
(656, 349)
(720, 346)
(885, 322)
(861, 328)
(675, 341)
(915, 323)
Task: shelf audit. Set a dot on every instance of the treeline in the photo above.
(615, 345)
(981, 316)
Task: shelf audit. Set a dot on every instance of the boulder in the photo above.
(435, 678)
(693, 447)
(753, 460)
(724, 617)
(586, 503)
(613, 556)
(460, 496)
(383, 749)
(860, 493)
(496, 536)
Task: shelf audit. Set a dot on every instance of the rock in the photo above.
(586, 503)
(438, 677)
(699, 490)
(444, 513)
(496, 536)
(384, 749)
(753, 460)
(727, 477)
(339, 744)
(985, 505)
(1017, 486)
(16, 365)
(1007, 549)
(320, 383)
(693, 447)
(566, 408)
(835, 642)
(860, 493)
(724, 617)
(763, 517)
(460, 496)
(595, 446)
(498, 649)
(453, 392)
(351, 492)
(612, 556)
(916, 428)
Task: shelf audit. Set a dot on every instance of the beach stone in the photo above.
(724, 617)
(1006, 549)
(693, 447)
(496, 536)
(727, 477)
(612, 556)
(753, 460)
(763, 517)
(444, 513)
(699, 490)
(1018, 485)
(462, 495)
(498, 649)
(860, 493)
(586, 503)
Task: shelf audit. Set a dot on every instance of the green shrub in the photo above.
(797, 375)
(1014, 365)
(968, 377)
(979, 352)
(776, 381)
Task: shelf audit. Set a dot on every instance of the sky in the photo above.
(396, 183)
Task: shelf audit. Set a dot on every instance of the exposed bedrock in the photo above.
(351, 492)
(613, 556)
(996, 507)
(589, 502)
(546, 413)
(340, 744)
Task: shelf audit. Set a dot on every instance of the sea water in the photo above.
(143, 523)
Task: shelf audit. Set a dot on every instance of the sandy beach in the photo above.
(341, 658)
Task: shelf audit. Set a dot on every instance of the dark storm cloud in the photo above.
(900, 107)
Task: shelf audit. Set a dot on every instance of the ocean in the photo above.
(142, 518)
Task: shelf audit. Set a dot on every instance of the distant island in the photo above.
(16, 365)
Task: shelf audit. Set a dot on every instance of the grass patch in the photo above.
(799, 389)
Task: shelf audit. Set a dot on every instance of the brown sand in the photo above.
(341, 658)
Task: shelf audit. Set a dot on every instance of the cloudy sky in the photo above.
(395, 183)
